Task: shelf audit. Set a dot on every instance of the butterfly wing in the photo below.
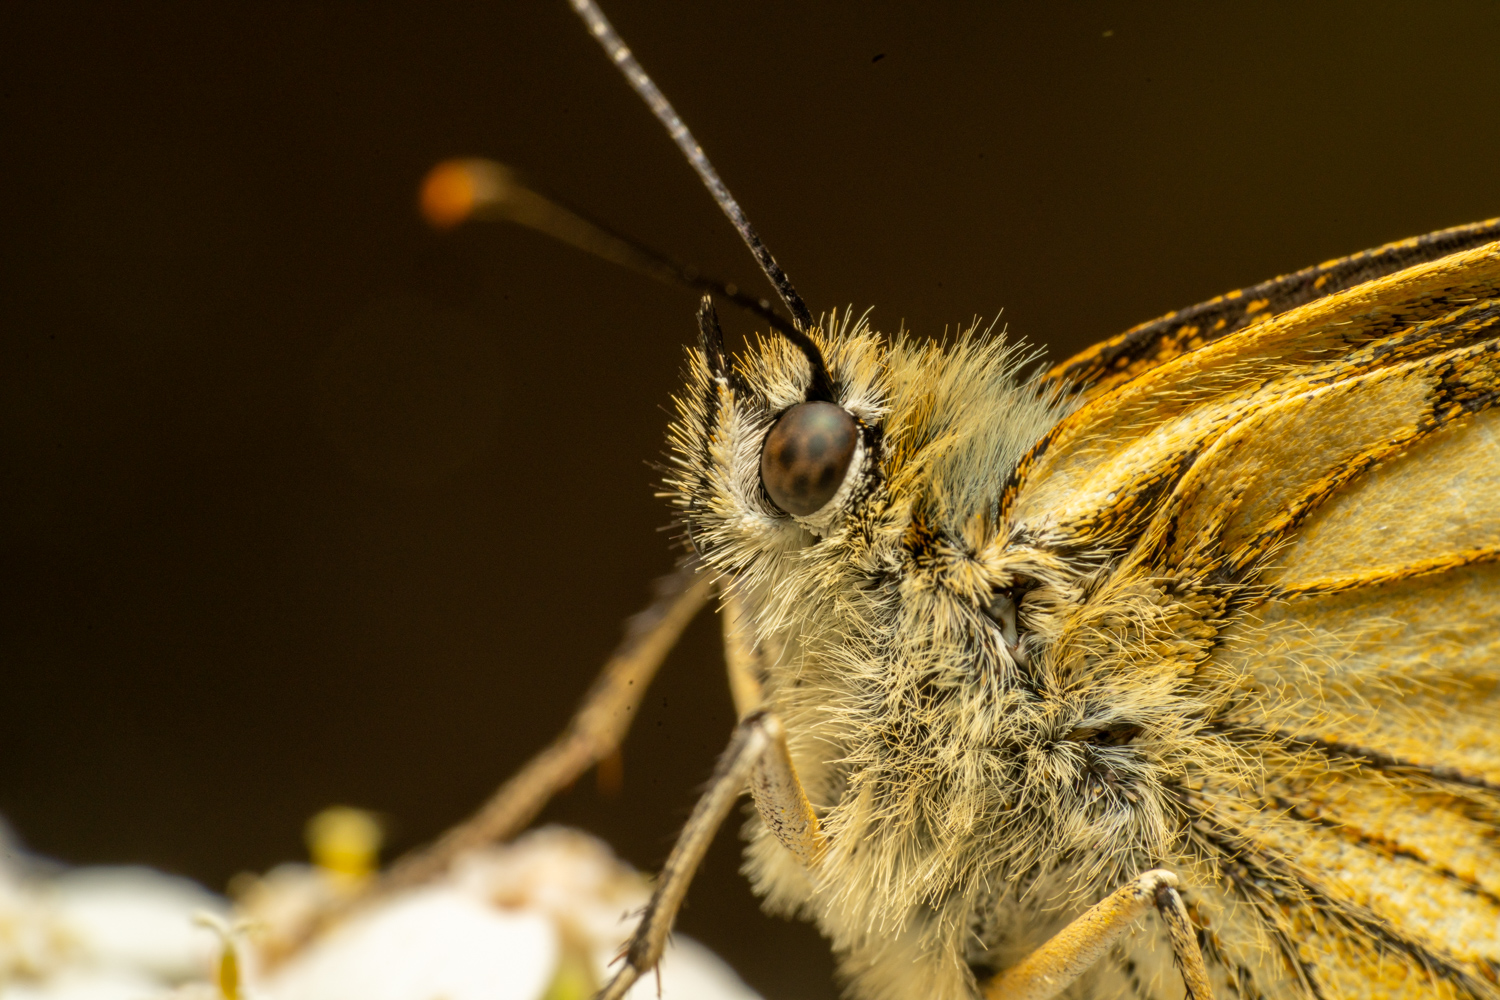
(1326, 484)
(1118, 360)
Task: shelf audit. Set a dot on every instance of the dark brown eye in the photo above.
(806, 456)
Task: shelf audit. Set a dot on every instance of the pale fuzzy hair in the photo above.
(960, 821)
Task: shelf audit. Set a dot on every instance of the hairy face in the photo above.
(935, 435)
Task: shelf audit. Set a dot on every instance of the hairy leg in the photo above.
(1050, 969)
(742, 654)
(595, 730)
(781, 800)
(778, 793)
(756, 754)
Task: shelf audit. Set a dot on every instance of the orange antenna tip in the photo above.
(456, 190)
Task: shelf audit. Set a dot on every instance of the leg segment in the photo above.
(757, 754)
(596, 729)
(781, 800)
(778, 793)
(745, 748)
(742, 654)
(1185, 951)
(1050, 969)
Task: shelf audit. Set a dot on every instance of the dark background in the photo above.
(303, 503)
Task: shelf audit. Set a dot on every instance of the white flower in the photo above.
(540, 919)
(548, 912)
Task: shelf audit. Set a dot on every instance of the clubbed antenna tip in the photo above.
(473, 189)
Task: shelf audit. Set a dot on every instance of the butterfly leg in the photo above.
(756, 754)
(781, 800)
(595, 730)
(779, 797)
(1050, 969)
(742, 655)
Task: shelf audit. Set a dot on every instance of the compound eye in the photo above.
(806, 456)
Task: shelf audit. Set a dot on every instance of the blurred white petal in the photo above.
(81, 984)
(690, 971)
(431, 944)
(512, 922)
(135, 918)
(499, 926)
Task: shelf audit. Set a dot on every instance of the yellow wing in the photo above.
(1120, 359)
(1334, 469)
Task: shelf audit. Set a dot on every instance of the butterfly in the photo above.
(1200, 623)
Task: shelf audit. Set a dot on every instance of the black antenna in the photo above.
(455, 191)
(614, 46)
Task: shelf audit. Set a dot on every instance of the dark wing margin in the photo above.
(1121, 358)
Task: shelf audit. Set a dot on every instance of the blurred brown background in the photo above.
(304, 504)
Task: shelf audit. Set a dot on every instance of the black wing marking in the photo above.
(1121, 358)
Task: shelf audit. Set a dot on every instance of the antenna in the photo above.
(822, 385)
(456, 191)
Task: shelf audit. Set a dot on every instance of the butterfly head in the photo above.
(895, 454)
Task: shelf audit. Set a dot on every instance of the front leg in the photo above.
(781, 800)
(779, 796)
(756, 753)
(1050, 969)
